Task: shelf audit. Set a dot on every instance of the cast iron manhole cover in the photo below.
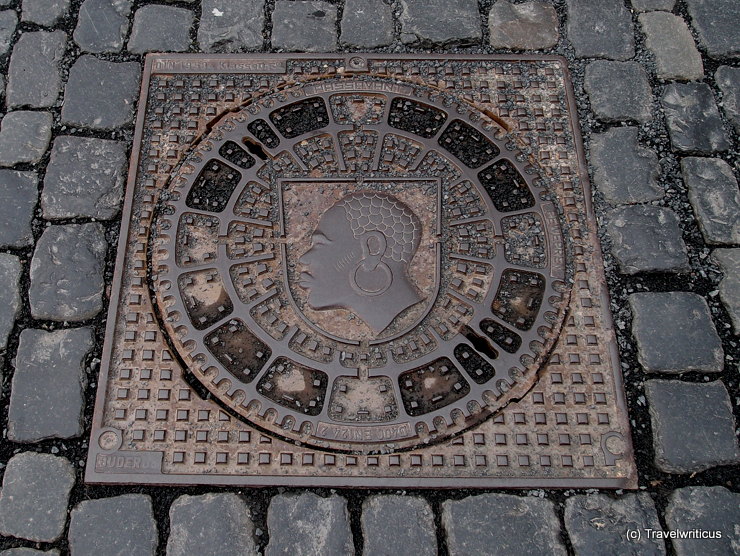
(364, 271)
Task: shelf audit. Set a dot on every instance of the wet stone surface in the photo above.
(309, 524)
(20, 194)
(84, 178)
(33, 502)
(440, 21)
(308, 26)
(527, 26)
(618, 91)
(693, 425)
(596, 524)
(102, 25)
(646, 239)
(728, 81)
(160, 29)
(100, 94)
(366, 24)
(230, 25)
(10, 299)
(600, 29)
(47, 393)
(95, 526)
(714, 194)
(624, 171)
(398, 525)
(34, 75)
(675, 333)
(729, 287)
(718, 24)
(24, 137)
(668, 38)
(708, 509)
(694, 124)
(501, 524)
(67, 273)
(44, 12)
(227, 518)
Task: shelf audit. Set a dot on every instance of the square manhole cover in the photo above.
(359, 270)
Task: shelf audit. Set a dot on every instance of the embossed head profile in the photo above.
(360, 256)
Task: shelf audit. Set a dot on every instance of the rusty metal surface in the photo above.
(379, 270)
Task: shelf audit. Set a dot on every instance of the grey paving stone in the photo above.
(600, 29)
(729, 286)
(501, 524)
(10, 298)
(527, 26)
(718, 24)
(624, 171)
(67, 273)
(304, 26)
(100, 94)
(714, 194)
(121, 525)
(649, 5)
(84, 178)
(160, 29)
(34, 77)
(398, 525)
(231, 25)
(102, 25)
(447, 22)
(228, 518)
(19, 192)
(24, 137)
(728, 80)
(693, 425)
(669, 39)
(8, 23)
(711, 509)
(44, 12)
(33, 502)
(47, 397)
(366, 24)
(28, 552)
(618, 91)
(675, 333)
(694, 125)
(646, 239)
(597, 524)
(307, 524)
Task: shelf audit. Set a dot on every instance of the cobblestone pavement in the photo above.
(657, 83)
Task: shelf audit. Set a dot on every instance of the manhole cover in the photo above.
(364, 271)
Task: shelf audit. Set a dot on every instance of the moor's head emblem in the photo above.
(359, 258)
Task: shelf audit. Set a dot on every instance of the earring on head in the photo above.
(371, 276)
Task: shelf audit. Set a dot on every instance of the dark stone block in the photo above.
(597, 524)
(600, 29)
(728, 81)
(675, 333)
(647, 239)
(84, 178)
(398, 525)
(19, 191)
(618, 91)
(718, 24)
(67, 273)
(160, 29)
(669, 39)
(526, 26)
(729, 287)
(304, 26)
(44, 12)
(33, 503)
(24, 137)
(10, 298)
(502, 524)
(100, 94)
(714, 194)
(308, 524)
(228, 518)
(231, 25)
(120, 525)
(693, 425)
(693, 120)
(445, 22)
(367, 24)
(102, 25)
(8, 23)
(34, 75)
(649, 5)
